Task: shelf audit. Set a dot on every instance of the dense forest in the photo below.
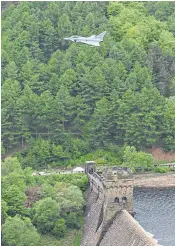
(64, 103)
(64, 100)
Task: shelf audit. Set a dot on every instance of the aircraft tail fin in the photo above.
(101, 36)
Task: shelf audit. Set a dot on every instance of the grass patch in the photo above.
(77, 239)
(72, 238)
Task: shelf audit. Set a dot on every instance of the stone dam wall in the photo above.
(109, 210)
(122, 230)
(92, 220)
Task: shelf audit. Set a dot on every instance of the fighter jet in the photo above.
(92, 40)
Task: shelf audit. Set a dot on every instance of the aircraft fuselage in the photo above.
(93, 40)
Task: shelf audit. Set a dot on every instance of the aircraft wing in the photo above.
(91, 43)
(101, 36)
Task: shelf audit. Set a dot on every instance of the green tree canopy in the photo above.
(133, 158)
(18, 231)
(10, 165)
(69, 197)
(169, 124)
(46, 213)
(63, 92)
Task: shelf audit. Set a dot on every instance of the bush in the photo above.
(60, 228)
(72, 220)
(160, 169)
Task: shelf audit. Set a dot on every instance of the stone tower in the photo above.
(110, 200)
(118, 191)
(90, 167)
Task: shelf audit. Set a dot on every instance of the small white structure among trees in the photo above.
(78, 170)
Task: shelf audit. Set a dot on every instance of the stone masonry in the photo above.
(110, 208)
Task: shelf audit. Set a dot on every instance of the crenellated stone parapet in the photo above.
(115, 184)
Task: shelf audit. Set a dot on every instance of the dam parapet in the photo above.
(109, 219)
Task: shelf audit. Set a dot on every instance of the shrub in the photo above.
(160, 169)
(72, 220)
(60, 228)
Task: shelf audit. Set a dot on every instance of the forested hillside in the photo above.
(63, 100)
(64, 103)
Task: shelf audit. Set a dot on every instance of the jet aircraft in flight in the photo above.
(92, 40)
